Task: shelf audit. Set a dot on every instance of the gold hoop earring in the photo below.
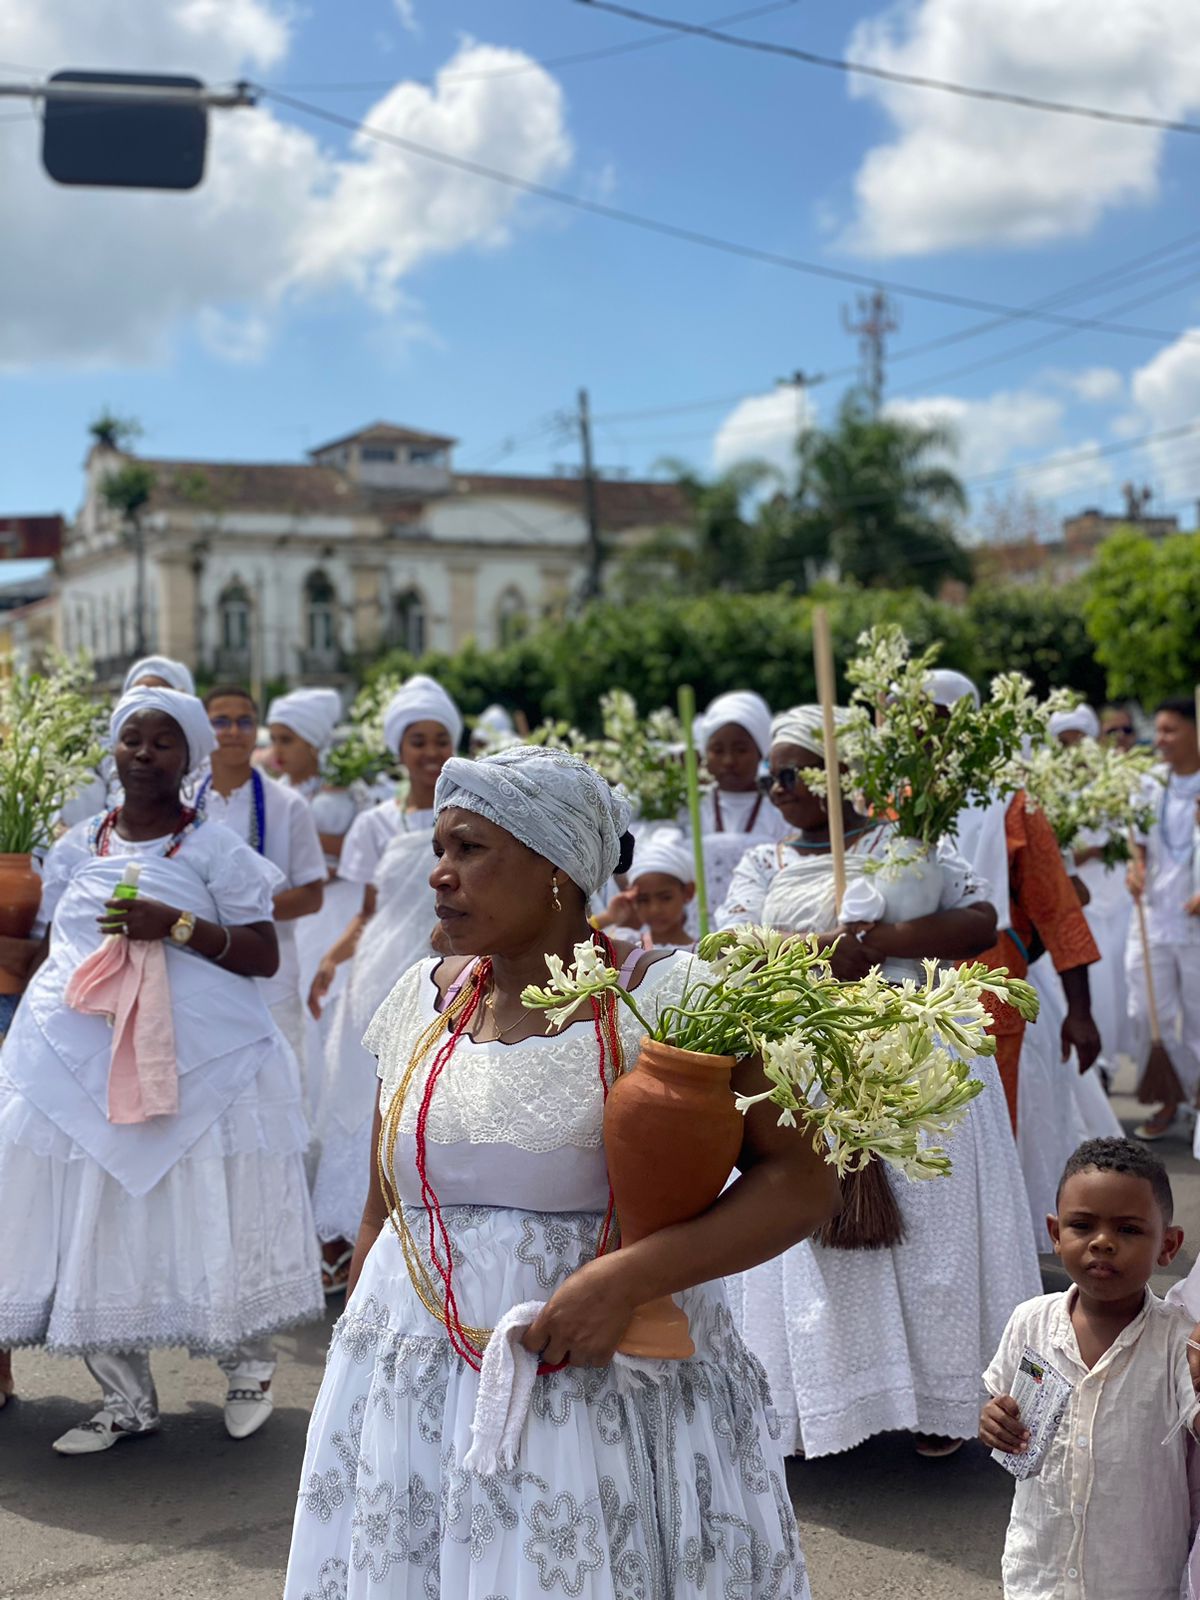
(554, 894)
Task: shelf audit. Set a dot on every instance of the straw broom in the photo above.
(870, 1218)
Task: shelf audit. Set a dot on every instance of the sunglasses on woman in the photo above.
(787, 778)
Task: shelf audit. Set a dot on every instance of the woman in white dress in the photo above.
(629, 1479)
(387, 856)
(861, 1341)
(187, 1227)
(734, 734)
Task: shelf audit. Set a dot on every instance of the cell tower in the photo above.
(877, 317)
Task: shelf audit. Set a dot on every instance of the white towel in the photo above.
(505, 1390)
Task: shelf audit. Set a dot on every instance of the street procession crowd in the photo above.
(276, 1038)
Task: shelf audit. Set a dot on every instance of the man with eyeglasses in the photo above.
(277, 822)
(1116, 728)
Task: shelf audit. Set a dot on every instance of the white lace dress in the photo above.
(663, 1482)
(397, 935)
(859, 1342)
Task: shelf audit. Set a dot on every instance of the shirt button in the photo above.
(1082, 1441)
(1072, 1572)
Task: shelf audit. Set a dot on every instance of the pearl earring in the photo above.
(554, 894)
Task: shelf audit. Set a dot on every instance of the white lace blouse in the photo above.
(518, 1125)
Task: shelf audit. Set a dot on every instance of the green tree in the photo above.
(1142, 605)
(716, 550)
(113, 432)
(127, 490)
(873, 502)
(1038, 631)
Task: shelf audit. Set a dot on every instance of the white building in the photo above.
(270, 571)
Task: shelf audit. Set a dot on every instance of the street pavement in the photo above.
(191, 1514)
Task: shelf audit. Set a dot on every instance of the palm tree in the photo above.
(870, 501)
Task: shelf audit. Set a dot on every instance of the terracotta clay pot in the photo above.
(20, 897)
(671, 1135)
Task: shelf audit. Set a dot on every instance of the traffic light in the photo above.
(124, 135)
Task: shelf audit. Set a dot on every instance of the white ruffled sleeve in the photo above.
(56, 872)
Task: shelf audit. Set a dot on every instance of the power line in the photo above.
(711, 241)
(1131, 271)
(1027, 102)
(549, 64)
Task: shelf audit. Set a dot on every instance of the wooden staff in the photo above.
(827, 695)
(1158, 1083)
(687, 716)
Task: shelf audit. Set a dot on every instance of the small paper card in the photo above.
(1042, 1393)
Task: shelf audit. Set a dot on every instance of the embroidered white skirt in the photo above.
(220, 1250)
(631, 1485)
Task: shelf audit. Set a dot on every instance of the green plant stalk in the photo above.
(687, 716)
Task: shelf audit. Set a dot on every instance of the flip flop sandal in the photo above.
(1148, 1132)
(336, 1274)
(934, 1446)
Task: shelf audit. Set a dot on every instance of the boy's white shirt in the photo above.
(1109, 1515)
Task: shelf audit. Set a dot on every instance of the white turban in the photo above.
(946, 688)
(1082, 720)
(171, 672)
(742, 707)
(312, 714)
(553, 802)
(666, 850)
(420, 699)
(493, 730)
(804, 726)
(183, 709)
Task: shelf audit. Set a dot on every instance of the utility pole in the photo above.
(595, 572)
(877, 317)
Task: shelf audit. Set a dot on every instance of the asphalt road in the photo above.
(190, 1514)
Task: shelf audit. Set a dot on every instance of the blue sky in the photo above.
(316, 283)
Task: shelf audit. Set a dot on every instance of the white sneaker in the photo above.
(101, 1433)
(246, 1409)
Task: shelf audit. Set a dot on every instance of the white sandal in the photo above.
(335, 1274)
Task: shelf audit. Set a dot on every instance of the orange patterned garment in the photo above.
(1043, 906)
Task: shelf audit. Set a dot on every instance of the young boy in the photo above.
(661, 887)
(1107, 1516)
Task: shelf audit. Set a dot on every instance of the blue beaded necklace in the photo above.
(258, 808)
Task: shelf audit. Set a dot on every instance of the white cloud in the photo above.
(1094, 385)
(1167, 393)
(764, 428)
(113, 278)
(990, 431)
(407, 12)
(963, 172)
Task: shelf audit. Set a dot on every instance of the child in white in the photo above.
(1107, 1516)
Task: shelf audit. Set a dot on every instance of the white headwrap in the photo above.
(493, 730)
(803, 726)
(1082, 720)
(946, 688)
(183, 709)
(742, 707)
(171, 672)
(420, 699)
(665, 850)
(312, 714)
(553, 802)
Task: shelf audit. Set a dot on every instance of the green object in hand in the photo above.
(125, 891)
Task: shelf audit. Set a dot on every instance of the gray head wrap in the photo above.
(551, 801)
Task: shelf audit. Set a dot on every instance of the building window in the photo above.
(512, 615)
(378, 452)
(426, 458)
(233, 610)
(320, 603)
(408, 622)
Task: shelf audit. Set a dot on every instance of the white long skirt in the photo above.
(645, 1483)
(1057, 1108)
(221, 1250)
(859, 1342)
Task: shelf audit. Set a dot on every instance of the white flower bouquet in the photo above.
(362, 754)
(1090, 787)
(919, 764)
(872, 1069)
(49, 750)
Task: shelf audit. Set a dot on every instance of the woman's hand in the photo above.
(584, 1319)
(1135, 877)
(321, 985)
(138, 918)
(620, 912)
(852, 957)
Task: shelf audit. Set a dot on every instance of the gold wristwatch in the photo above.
(182, 931)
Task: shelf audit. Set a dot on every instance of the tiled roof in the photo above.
(385, 433)
(620, 503)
